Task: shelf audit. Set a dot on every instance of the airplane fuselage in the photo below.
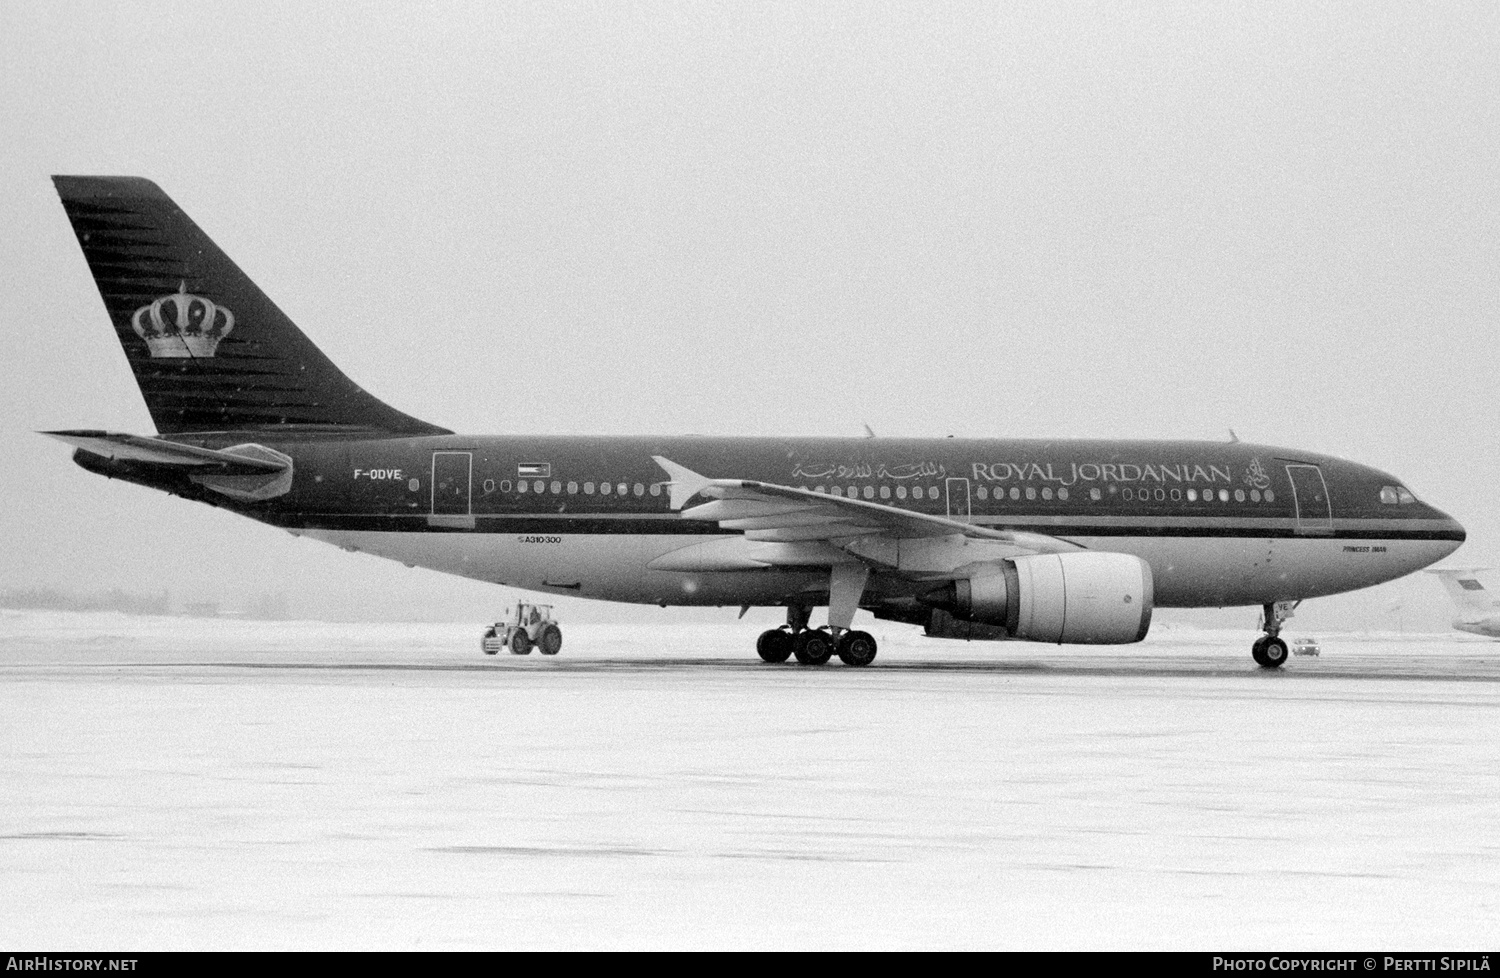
(1488, 627)
(1220, 524)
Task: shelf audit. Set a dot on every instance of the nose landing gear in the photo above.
(1269, 651)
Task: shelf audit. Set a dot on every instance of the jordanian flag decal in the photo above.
(534, 470)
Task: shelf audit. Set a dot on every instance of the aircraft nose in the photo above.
(1450, 530)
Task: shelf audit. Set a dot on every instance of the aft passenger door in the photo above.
(1310, 495)
(451, 474)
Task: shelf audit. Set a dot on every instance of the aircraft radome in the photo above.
(1069, 541)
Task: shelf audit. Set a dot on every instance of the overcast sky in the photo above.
(1119, 220)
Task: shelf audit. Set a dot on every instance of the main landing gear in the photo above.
(1269, 651)
(814, 646)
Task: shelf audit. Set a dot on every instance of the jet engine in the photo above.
(1081, 597)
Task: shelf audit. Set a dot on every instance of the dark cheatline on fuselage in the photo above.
(1203, 496)
(1207, 489)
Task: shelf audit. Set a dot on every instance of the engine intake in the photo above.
(1084, 598)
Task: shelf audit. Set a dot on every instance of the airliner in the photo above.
(1058, 541)
(1478, 607)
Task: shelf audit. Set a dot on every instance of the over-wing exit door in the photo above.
(958, 499)
(451, 474)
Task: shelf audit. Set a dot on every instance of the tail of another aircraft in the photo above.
(1464, 587)
(209, 350)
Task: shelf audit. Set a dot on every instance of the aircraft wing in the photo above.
(156, 451)
(766, 512)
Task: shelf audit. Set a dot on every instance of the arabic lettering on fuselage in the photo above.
(1060, 473)
(868, 470)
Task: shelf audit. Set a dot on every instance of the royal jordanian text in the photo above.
(1073, 472)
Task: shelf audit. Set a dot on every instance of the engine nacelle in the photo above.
(1083, 597)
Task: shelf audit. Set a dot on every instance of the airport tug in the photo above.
(525, 627)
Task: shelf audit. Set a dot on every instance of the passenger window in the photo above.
(604, 488)
(588, 488)
(983, 493)
(869, 492)
(885, 492)
(572, 488)
(917, 492)
(900, 492)
(640, 490)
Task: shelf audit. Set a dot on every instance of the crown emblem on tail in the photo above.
(182, 325)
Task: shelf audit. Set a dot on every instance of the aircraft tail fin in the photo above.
(1466, 590)
(209, 350)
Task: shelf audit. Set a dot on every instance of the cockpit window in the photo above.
(1396, 495)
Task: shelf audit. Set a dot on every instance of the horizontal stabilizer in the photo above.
(155, 451)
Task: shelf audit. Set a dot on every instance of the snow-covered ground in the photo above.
(176, 783)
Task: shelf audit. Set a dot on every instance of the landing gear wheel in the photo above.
(1258, 650)
(774, 645)
(520, 644)
(812, 647)
(857, 648)
(550, 641)
(1272, 653)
